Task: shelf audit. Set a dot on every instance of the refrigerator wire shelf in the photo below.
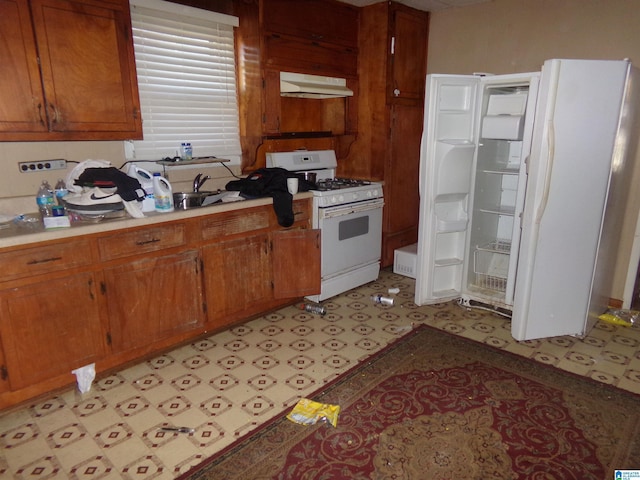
(491, 265)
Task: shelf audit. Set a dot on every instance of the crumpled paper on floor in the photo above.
(308, 412)
(85, 376)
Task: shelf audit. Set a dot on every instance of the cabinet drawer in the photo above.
(301, 211)
(141, 241)
(313, 57)
(44, 259)
(236, 222)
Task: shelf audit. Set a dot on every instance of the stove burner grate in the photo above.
(339, 183)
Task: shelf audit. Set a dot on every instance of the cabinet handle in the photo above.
(44, 260)
(146, 242)
(40, 114)
(55, 116)
(396, 92)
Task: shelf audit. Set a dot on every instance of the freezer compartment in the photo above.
(504, 117)
(491, 265)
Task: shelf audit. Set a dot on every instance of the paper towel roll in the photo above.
(504, 127)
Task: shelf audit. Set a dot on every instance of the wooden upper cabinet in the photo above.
(85, 87)
(315, 20)
(21, 98)
(315, 36)
(408, 59)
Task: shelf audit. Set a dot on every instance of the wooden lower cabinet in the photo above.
(115, 297)
(237, 278)
(248, 275)
(50, 328)
(153, 298)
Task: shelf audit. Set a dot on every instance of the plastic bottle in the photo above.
(146, 182)
(162, 193)
(313, 308)
(382, 300)
(186, 152)
(60, 191)
(45, 199)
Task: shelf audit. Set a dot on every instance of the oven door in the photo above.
(351, 236)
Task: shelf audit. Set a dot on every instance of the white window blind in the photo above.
(187, 81)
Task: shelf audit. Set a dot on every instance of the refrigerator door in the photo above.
(574, 136)
(446, 165)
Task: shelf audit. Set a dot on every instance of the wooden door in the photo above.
(50, 328)
(237, 278)
(154, 298)
(407, 73)
(401, 188)
(88, 67)
(22, 106)
(296, 263)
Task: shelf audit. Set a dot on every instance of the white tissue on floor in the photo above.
(84, 376)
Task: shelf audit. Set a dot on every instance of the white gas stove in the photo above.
(348, 213)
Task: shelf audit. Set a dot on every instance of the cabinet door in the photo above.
(153, 298)
(50, 328)
(408, 54)
(4, 372)
(21, 100)
(291, 53)
(401, 189)
(237, 278)
(88, 68)
(296, 263)
(316, 20)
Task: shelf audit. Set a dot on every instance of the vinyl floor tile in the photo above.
(228, 384)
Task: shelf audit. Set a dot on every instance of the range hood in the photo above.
(312, 86)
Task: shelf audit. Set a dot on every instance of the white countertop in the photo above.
(16, 235)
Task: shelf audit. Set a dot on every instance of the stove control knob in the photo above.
(341, 198)
(355, 196)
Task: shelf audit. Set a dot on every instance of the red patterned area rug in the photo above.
(434, 406)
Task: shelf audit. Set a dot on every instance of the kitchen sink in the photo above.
(188, 200)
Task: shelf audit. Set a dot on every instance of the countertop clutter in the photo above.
(121, 290)
(31, 230)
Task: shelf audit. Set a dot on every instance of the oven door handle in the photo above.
(348, 209)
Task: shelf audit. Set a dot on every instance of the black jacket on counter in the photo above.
(272, 182)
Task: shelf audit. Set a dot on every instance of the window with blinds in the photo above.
(187, 81)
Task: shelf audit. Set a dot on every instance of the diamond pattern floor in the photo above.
(228, 384)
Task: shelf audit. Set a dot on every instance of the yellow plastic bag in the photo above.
(626, 318)
(308, 412)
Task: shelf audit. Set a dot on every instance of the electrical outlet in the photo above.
(42, 165)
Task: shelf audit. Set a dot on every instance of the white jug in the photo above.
(146, 181)
(162, 193)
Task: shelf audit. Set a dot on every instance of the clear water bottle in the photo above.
(60, 191)
(45, 199)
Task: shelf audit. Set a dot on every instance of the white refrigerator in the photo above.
(516, 175)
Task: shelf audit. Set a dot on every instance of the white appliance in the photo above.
(348, 213)
(313, 86)
(516, 175)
